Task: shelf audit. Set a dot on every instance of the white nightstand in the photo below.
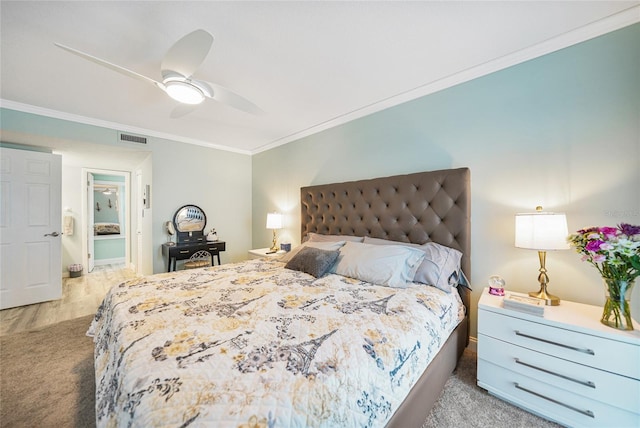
(565, 366)
(259, 253)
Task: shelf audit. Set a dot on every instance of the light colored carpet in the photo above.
(464, 404)
(46, 377)
(47, 380)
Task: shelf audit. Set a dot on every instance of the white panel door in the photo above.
(30, 227)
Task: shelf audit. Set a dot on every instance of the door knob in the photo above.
(54, 234)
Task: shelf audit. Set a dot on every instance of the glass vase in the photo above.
(617, 311)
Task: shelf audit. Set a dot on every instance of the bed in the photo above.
(100, 229)
(274, 342)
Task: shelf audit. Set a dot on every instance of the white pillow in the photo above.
(390, 265)
(329, 246)
(440, 267)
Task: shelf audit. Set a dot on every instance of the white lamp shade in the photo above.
(542, 231)
(274, 221)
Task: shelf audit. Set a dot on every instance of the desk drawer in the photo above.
(183, 254)
(215, 246)
(599, 385)
(577, 347)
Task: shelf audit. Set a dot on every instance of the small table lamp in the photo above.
(274, 221)
(542, 231)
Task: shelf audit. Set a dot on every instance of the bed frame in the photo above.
(413, 208)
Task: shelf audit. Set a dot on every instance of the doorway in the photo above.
(106, 218)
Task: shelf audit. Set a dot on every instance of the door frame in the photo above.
(126, 210)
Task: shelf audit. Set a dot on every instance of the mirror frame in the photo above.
(183, 214)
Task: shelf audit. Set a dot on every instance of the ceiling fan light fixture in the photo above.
(184, 92)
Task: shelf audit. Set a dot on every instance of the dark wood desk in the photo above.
(176, 252)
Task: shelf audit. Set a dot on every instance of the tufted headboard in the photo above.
(426, 206)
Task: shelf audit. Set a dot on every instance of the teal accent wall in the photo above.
(107, 249)
(29, 123)
(106, 214)
(105, 177)
(111, 206)
(561, 131)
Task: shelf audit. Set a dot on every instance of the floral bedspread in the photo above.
(253, 344)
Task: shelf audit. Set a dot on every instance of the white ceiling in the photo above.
(308, 65)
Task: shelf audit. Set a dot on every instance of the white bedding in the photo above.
(253, 344)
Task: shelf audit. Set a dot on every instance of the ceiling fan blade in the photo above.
(182, 110)
(186, 55)
(230, 98)
(111, 66)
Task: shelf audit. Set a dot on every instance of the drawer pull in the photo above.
(573, 348)
(584, 412)
(581, 382)
(184, 252)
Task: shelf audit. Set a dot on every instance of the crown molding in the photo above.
(589, 31)
(55, 114)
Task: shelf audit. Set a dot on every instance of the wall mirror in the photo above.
(190, 218)
(106, 207)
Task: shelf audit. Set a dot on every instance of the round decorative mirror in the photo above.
(190, 218)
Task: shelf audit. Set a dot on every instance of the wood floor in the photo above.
(80, 296)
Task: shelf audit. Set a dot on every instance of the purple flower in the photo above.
(594, 245)
(609, 232)
(629, 229)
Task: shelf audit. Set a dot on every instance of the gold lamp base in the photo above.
(549, 299)
(543, 279)
(274, 247)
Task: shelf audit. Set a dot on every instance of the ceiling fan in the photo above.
(177, 68)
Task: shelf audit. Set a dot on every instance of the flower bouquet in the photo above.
(615, 252)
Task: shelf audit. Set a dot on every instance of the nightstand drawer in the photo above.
(552, 402)
(582, 380)
(576, 347)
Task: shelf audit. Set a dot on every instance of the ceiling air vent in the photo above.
(133, 138)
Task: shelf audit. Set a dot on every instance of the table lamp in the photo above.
(542, 231)
(274, 221)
